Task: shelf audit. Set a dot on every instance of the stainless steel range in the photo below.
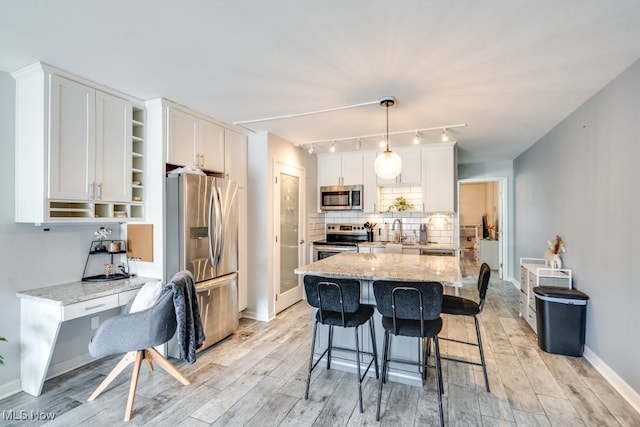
(340, 238)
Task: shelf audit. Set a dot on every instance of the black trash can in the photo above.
(561, 318)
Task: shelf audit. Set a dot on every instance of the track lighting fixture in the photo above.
(333, 147)
(359, 143)
(445, 135)
(310, 149)
(416, 139)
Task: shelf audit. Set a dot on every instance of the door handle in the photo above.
(301, 242)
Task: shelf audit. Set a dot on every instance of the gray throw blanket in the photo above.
(189, 333)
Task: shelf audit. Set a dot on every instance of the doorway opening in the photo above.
(482, 221)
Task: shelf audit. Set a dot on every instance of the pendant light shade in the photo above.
(388, 164)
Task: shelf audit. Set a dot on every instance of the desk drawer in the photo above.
(86, 308)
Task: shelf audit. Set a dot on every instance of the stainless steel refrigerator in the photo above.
(202, 237)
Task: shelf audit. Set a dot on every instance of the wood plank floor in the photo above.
(256, 377)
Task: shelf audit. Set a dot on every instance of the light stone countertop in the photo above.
(75, 292)
(431, 245)
(400, 267)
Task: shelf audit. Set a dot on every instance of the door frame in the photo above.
(503, 220)
(292, 296)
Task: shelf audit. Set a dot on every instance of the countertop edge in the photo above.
(74, 292)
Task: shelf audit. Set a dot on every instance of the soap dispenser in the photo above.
(423, 233)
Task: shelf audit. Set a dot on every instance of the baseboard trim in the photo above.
(58, 369)
(69, 365)
(263, 317)
(10, 388)
(627, 392)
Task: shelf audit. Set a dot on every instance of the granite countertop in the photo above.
(400, 267)
(75, 292)
(428, 245)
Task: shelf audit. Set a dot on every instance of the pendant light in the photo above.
(388, 164)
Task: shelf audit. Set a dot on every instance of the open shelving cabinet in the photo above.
(99, 249)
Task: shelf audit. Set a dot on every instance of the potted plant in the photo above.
(2, 358)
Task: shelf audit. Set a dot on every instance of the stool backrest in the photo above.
(329, 294)
(408, 300)
(483, 282)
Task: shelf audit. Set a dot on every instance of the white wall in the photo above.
(581, 181)
(263, 150)
(31, 257)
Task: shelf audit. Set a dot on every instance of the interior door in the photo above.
(289, 235)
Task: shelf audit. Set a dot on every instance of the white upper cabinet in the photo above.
(211, 139)
(369, 182)
(340, 169)
(73, 149)
(235, 152)
(182, 138)
(113, 161)
(72, 140)
(90, 144)
(194, 141)
(411, 173)
(439, 177)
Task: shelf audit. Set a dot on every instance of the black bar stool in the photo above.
(338, 304)
(410, 309)
(459, 306)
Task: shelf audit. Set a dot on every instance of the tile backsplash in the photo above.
(440, 226)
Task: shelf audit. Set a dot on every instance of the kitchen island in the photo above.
(370, 267)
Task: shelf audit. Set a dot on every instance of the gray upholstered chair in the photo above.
(137, 334)
(410, 309)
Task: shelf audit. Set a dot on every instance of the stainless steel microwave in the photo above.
(341, 197)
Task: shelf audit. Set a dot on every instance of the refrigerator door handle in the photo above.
(220, 231)
(211, 232)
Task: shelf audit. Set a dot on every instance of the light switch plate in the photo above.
(95, 322)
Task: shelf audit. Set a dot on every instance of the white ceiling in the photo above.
(511, 70)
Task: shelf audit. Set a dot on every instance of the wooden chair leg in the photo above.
(154, 355)
(147, 361)
(124, 362)
(134, 385)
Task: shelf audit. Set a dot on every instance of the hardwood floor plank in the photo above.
(519, 391)
(257, 376)
(591, 409)
(245, 408)
(559, 411)
(529, 419)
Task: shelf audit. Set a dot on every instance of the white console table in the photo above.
(43, 310)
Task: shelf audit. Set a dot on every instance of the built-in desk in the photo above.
(43, 310)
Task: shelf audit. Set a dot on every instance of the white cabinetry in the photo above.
(194, 141)
(74, 150)
(488, 251)
(534, 272)
(369, 183)
(235, 151)
(439, 177)
(340, 169)
(411, 173)
(235, 161)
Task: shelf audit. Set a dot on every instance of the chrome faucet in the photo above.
(397, 235)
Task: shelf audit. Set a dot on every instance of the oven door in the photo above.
(325, 251)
